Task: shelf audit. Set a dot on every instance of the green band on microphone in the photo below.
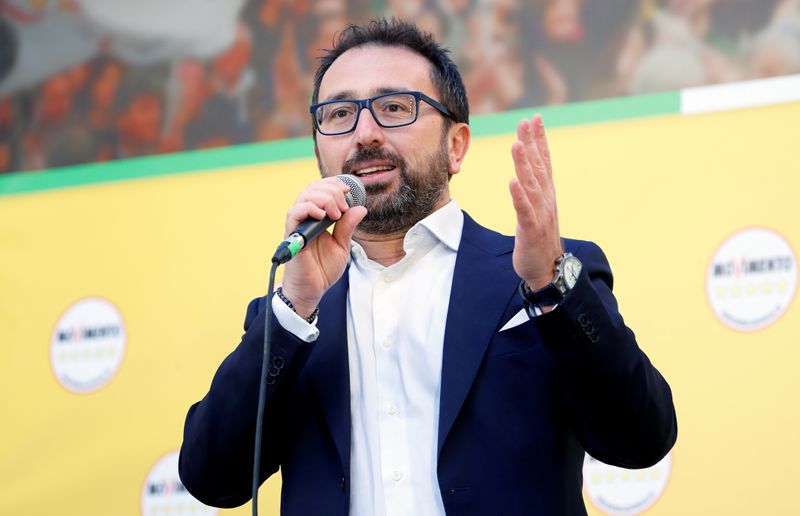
(295, 245)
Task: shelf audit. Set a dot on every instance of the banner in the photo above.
(120, 299)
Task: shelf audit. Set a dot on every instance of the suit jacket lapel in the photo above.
(483, 282)
(328, 368)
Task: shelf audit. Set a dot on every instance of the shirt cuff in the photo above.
(534, 311)
(293, 323)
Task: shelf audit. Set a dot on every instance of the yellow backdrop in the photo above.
(180, 256)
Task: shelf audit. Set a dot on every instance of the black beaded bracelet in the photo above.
(310, 319)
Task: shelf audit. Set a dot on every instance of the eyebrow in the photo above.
(351, 95)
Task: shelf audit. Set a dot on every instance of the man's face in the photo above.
(405, 170)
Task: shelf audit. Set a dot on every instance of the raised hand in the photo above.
(538, 242)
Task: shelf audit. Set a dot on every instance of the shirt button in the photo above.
(387, 343)
(387, 278)
(397, 476)
(392, 410)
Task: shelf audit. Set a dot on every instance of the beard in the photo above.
(393, 211)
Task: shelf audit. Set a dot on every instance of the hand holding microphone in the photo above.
(311, 227)
(309, 274)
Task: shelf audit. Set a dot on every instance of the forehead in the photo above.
(370, 70)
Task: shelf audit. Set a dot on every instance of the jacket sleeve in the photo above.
(216, 457)
(620, 404)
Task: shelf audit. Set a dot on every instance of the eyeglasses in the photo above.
(396, 109)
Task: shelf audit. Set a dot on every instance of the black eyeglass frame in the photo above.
(367, 104)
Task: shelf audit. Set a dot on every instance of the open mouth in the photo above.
(373, 171)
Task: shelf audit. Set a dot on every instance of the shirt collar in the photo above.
(444, 225)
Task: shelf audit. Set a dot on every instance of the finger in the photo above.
(539, 199)
(545, 175)
(526, 135)
(338, 186)
(330, 186)
(326, 200)
(300, 212)
(523, 169)
(526, 215)
(540, 137)
(344, 228)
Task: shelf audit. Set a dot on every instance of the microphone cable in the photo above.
(285, 252)
(262, 387)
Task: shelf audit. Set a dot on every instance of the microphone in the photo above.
(310, 228)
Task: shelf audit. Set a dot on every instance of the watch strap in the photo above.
(547, 296)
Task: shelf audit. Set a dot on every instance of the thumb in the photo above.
(345, 226)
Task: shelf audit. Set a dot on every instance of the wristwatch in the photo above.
(568, 268)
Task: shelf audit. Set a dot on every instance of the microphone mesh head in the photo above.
(357, 195)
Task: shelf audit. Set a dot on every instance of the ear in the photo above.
(457, 144)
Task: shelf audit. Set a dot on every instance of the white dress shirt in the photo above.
(395, 330)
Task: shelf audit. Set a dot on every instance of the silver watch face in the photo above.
(572, 269)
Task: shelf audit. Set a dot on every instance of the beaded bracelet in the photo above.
(282, 297)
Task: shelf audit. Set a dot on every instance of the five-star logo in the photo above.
(624, 492)
(163, 493)
(752, 279)
(88, 345)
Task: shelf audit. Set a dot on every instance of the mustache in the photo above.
(371, 154)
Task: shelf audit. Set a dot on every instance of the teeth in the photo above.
(369, 170)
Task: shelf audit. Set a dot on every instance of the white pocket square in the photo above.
(519, 318)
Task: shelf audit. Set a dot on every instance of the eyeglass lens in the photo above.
(390, 111)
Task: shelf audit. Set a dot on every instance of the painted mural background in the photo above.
(95, 80)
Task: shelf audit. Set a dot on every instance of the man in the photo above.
(422, 364)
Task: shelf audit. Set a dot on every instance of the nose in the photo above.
(367, 132)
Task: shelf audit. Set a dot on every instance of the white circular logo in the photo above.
(622, 492)
(163, 493)
(88, 345)
(751, 279)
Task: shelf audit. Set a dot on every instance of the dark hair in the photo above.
(397, 33)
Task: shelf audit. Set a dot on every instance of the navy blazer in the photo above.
(518, 407)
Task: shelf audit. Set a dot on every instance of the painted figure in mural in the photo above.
(242, 71)
(421, 363)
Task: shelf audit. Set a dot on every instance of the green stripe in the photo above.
(157, 165)
(579, 113)
(266, 152)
